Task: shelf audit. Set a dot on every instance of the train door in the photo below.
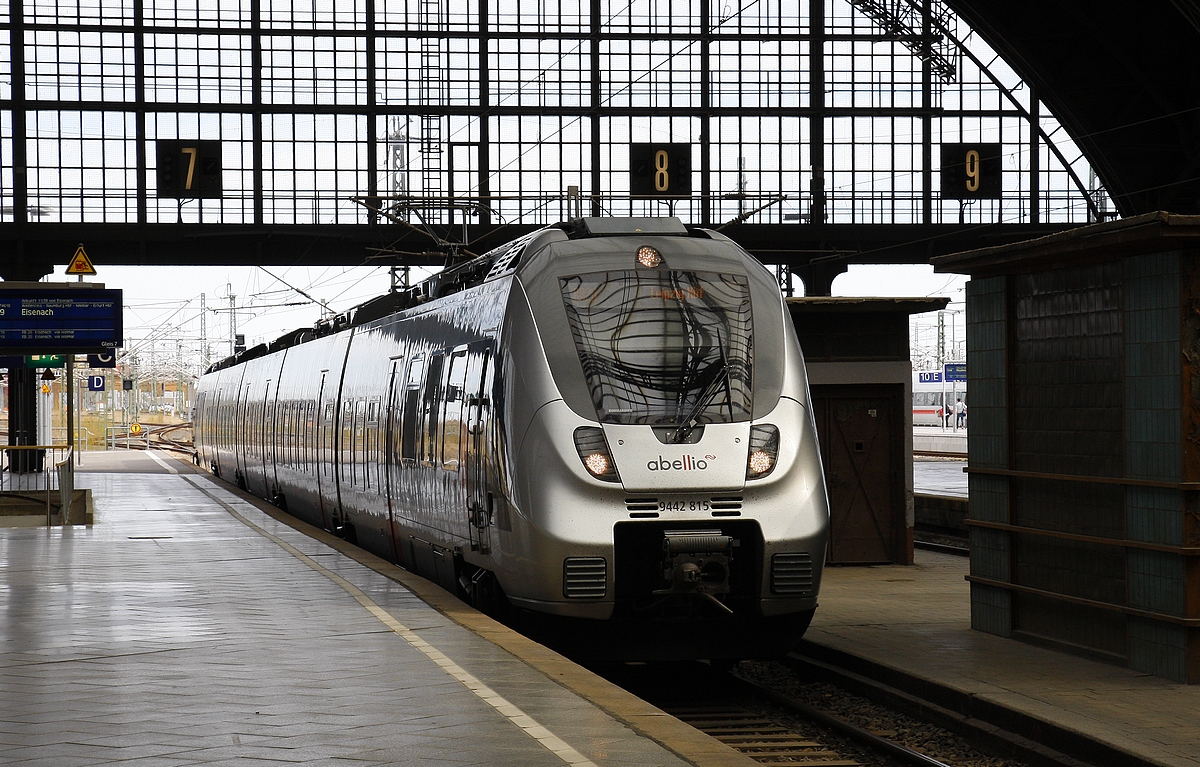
(477, 408)
(267, 431)
(390, 445)
(408, 406)
(324, 427)
(242, 435)
(212, 432)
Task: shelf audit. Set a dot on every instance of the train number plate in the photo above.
(684, 504)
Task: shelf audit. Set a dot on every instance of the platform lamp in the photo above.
(49, 375)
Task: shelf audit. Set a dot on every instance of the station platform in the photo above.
(190, 625)
(194, 625)
(937, 440)
(911, 626)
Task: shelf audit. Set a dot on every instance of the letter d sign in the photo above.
(95, 383)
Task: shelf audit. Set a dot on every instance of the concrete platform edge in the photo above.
(996, 726)
(683, 740)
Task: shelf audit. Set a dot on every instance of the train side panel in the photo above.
(303, 429)
(413, 390)
(220, 391)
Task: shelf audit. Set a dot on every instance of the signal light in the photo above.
(593, 451)
(764, 451)
(648, 257)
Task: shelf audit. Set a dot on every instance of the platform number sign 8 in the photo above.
(188, 169)
(972, 171)
(660, 170)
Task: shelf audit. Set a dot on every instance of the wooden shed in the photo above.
(857, 353)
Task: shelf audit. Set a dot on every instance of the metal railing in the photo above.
(25, 474)
(66, 487)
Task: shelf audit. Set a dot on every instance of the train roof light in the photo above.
(648, 257)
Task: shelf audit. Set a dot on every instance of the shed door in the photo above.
(861, 447)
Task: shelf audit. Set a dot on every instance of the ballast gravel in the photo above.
(899, 728)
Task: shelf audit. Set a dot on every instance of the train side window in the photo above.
(297, 431)
(371, 452)
(412, 391)
(298, 445)
(345, 448)
(325, 435)
(431, 408)
(310, 437)
(360, 441)
(452, 430)
(281, 429)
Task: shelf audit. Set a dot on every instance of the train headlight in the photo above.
(593, 451)
(764, 450)
(760, 463)
(597, 463)
(648, 257)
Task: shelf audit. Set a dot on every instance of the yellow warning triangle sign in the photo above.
(80, 263)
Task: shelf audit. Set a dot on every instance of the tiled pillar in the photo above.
(987, 371)
(1153, 452)
(1189, 388)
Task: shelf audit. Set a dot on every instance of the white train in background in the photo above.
(935, 391)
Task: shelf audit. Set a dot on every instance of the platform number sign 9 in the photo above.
(188, 169)
(660, 170)
(972, 171)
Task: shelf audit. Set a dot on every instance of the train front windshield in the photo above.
(663, 347)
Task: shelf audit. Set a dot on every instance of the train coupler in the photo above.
(696, 562)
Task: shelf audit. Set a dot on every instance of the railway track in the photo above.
(959, 550)
(896, 752)
(766, 725)
(758, 737)
(161, 438)
(164, 442)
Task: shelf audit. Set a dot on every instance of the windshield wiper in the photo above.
(688, 424)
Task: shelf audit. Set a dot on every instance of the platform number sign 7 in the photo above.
(188, 169)
(972, 171)
(660, 170)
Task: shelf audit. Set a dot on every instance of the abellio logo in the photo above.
(686, 463)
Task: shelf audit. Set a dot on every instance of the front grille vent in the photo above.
(640, 506)
(726, 502)
(585, 577)
(791, 574)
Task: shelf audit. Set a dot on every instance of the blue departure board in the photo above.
(78, 321)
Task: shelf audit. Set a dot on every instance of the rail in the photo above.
(26, 475)
(122, 437)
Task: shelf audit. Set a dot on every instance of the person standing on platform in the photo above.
(960, 411)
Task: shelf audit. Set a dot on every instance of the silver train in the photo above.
(601, 428)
